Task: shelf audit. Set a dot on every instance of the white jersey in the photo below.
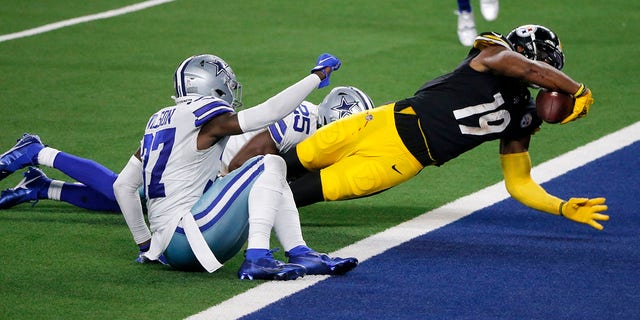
(286, 133)
(175, 171)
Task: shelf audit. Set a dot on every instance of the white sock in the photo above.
(55, 189)
(47, 155)
(287, 224)
(264, 201)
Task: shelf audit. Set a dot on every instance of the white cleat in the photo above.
(489, 9)
(466, 28)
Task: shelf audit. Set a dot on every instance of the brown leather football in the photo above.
(554, 106)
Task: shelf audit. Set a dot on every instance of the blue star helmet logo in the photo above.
(223, 68)
(345, 107)
(220, 68)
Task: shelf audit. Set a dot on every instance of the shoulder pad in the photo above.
(487, 39)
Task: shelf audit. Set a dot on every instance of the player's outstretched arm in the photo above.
(516, 168)
(283, 103)
(272, 110)
(499, 60)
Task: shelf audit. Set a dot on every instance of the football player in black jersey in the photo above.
(485, 98)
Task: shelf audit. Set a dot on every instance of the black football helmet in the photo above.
(539, 43)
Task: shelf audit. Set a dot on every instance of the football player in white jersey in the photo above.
(182, 145)
(180, 153)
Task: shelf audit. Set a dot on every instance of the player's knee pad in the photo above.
(274, 176)
(363, 180)
(326, 143)
(274, 164)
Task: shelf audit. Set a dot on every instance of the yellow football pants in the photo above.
(359, 155)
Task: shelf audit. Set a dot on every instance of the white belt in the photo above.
(199, 245)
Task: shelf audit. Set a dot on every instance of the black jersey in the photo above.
(460, 110)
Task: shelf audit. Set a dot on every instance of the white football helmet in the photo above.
(341, 102)
(207, 75)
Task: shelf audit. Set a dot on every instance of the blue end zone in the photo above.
(503, 262)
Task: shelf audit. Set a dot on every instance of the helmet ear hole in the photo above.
(219, 92)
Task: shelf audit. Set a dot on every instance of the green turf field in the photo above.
(88, 89)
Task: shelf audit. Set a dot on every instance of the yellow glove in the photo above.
(583, 100)
(585, 211)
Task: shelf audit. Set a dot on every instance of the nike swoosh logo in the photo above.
(395, 169)
(323, 60)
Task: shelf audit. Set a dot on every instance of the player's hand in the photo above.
(584, 99)
(585, 211)
(326, 64)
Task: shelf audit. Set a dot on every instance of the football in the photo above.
(553, 106)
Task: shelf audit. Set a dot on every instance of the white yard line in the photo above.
(70, 22)
(269, 292)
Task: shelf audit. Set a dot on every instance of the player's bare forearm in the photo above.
(508, 63)
(546, 76)
(258, 145)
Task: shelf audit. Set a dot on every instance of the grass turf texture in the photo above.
(88, 90)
